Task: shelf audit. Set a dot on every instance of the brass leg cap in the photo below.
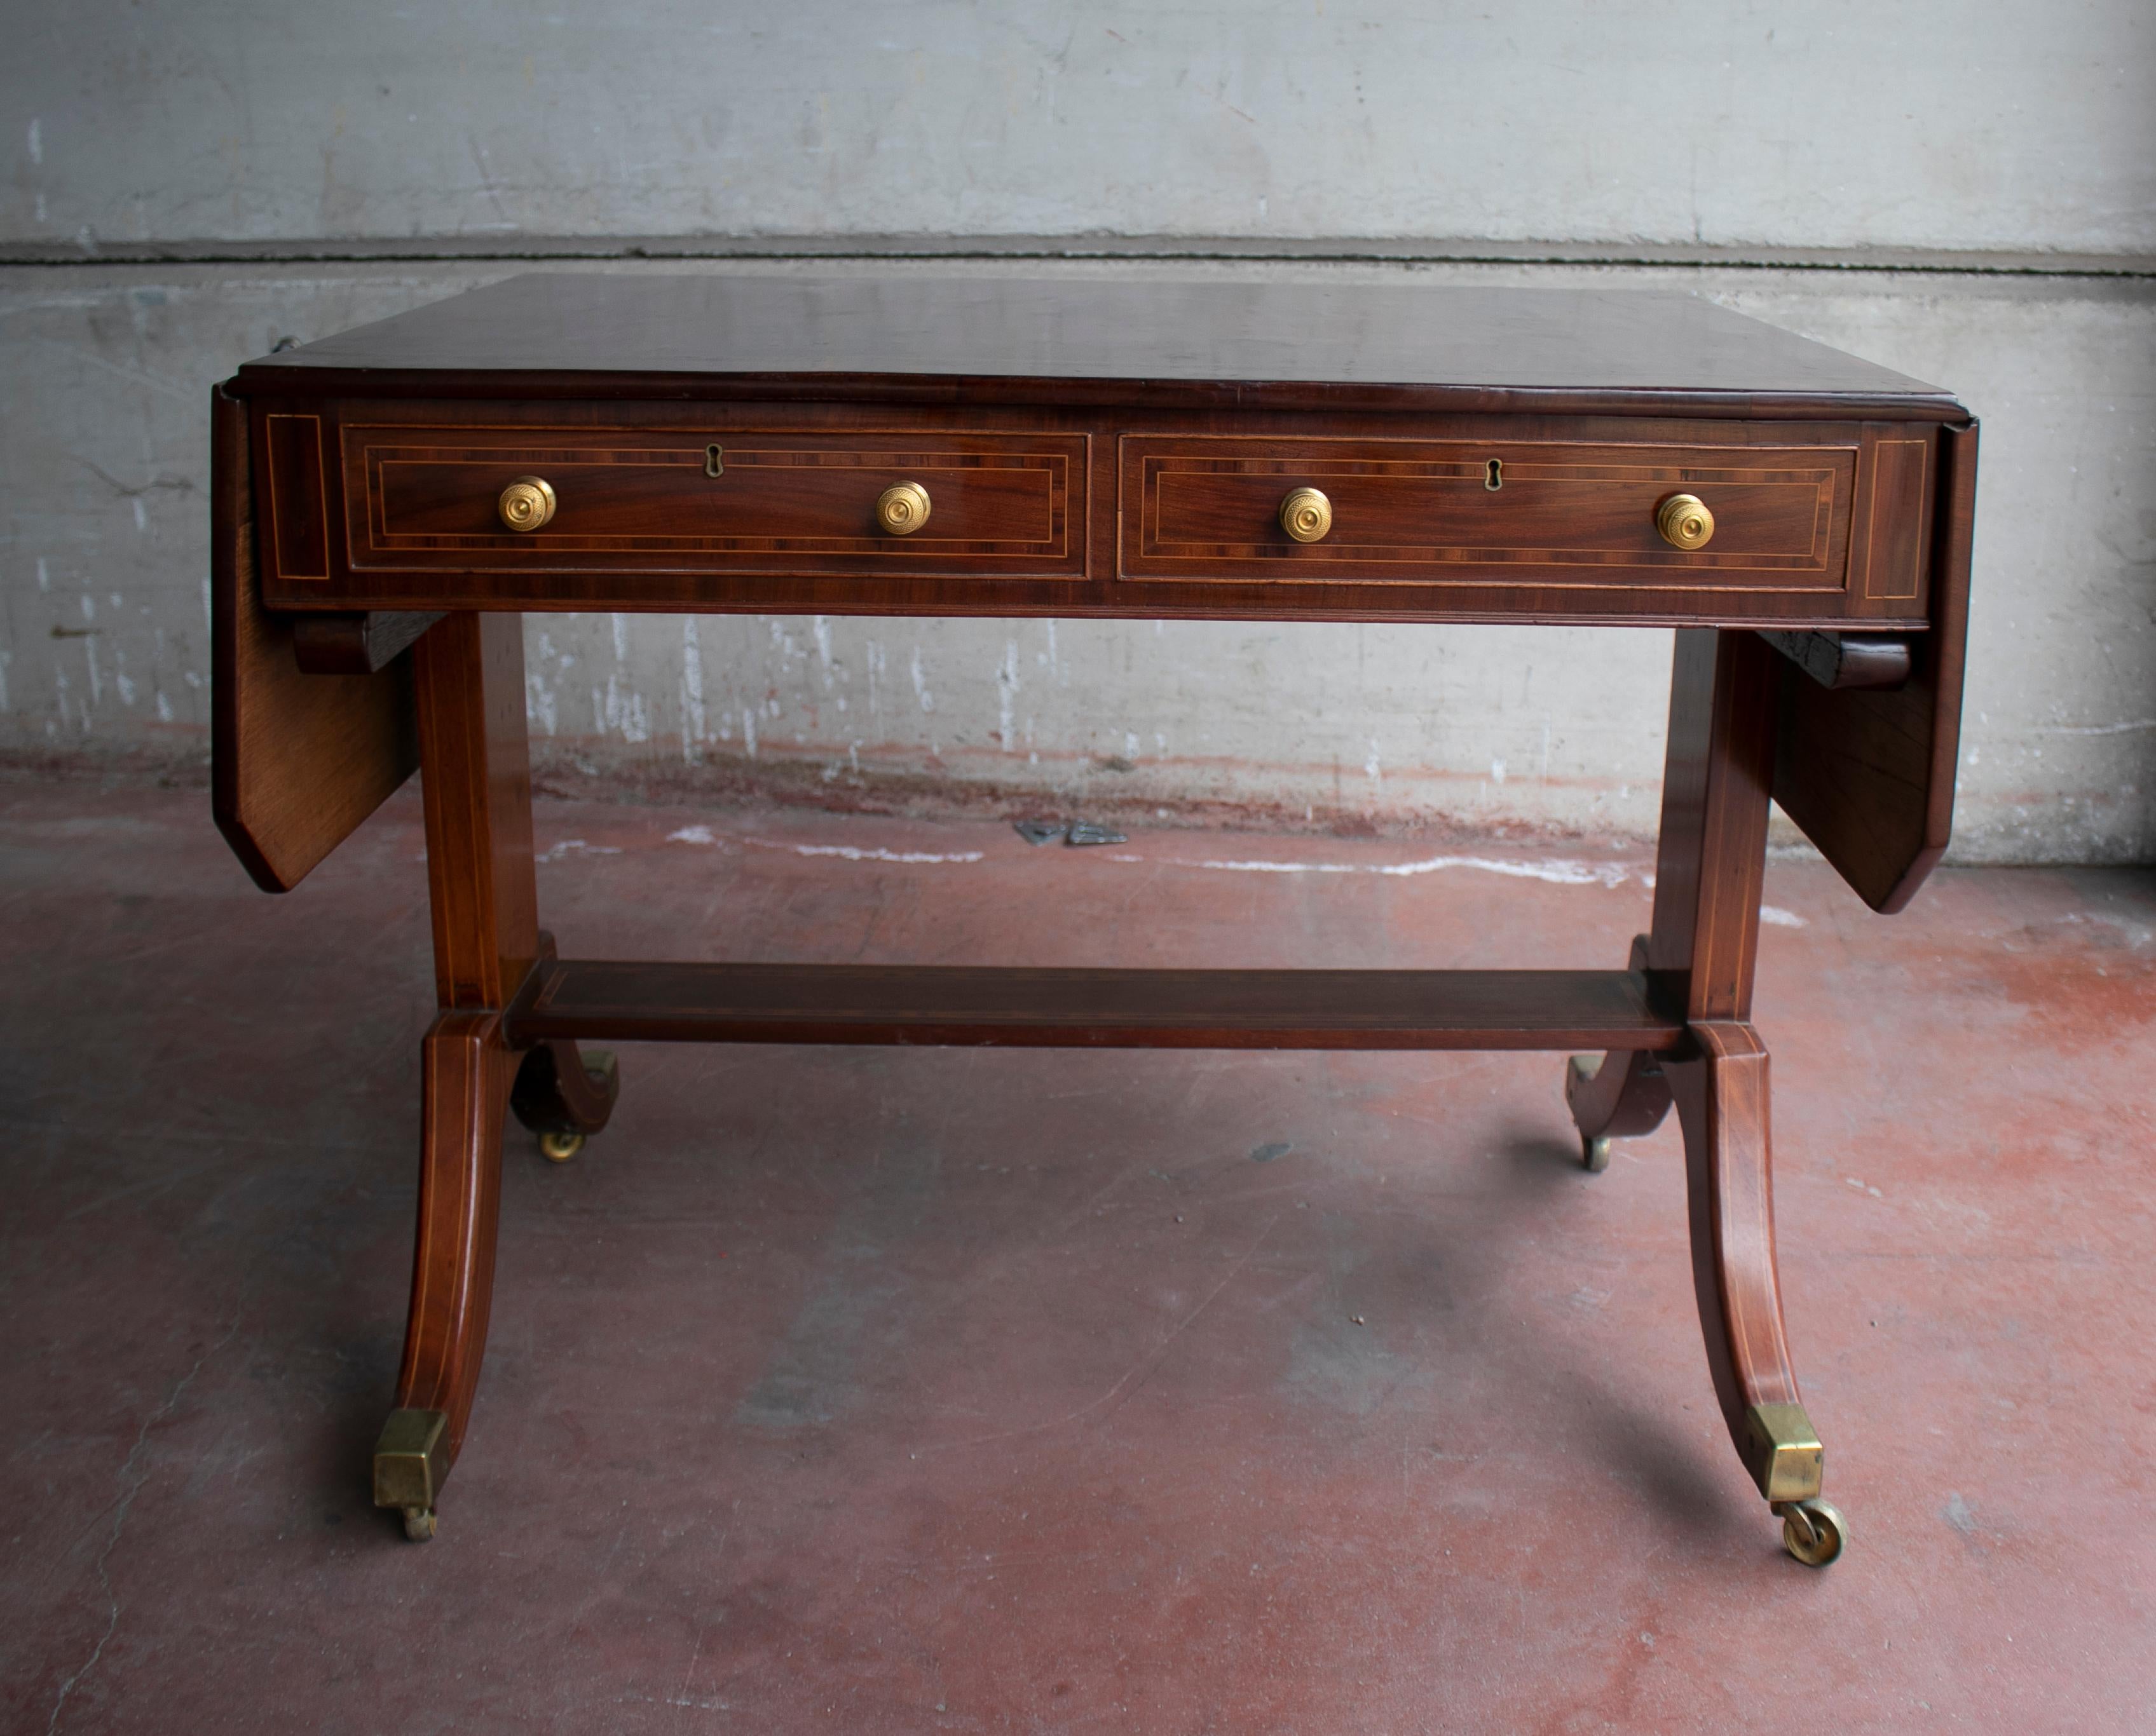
(1812, 1531)
(1593, 1154)
(1579, 1070)
(559, 1148)
(1783, 1453)
(411, 1458)
(419, 1523)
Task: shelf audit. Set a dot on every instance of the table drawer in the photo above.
(733, 500)
(1430, 511)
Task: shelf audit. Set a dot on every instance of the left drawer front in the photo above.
(427, 499)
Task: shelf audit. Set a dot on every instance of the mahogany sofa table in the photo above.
(388, 501)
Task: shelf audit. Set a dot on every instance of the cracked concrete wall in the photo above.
(1841, 123)
(1861, 128)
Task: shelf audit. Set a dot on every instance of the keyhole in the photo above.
(1493, 474)
(714, 461)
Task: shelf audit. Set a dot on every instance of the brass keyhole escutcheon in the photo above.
(1684, 521)
(902, 509)
(1493, 475)
(526, 503)
(1306, 514)
(715, 461)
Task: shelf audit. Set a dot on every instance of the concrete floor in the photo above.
(889, 1390)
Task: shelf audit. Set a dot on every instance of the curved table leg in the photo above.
(467, 1070)
(1721, 1099)
(565, 1095)
(1617, 1096)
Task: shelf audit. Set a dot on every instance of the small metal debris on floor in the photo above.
(1039, 832)
(1084, 832)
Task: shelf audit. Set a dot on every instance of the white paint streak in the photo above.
(844, 852)
(2133, 728)
(1561, 873)
(1006, 693)
(1775, 916)
(921, 683)
(559, 850)
(849, 852)
(539, 704)
(695, 727)
(626, 712)
(620, 638)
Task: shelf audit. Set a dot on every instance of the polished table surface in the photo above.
(1205, 344)
(387, 501)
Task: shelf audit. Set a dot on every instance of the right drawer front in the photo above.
(1198, 509)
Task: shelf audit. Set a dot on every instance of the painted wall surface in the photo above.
(1835, 123)
(1720, 127)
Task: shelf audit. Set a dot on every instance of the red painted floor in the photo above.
(918, 1390)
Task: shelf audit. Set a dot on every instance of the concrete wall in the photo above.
(183, 186)
(1838, 123)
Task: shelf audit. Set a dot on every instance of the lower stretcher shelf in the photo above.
(1064, 1008)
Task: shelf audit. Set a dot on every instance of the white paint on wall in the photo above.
(1006, 694)
(695, 726)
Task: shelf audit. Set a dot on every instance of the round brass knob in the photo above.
(526, 503)
(902, 509)
(1684, 521)
(1306, 514)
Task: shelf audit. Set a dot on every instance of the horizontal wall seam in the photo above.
(452, 250)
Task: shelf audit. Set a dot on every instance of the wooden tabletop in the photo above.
(1403, 345)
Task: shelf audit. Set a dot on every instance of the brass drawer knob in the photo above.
(902, 509)
(1306, 514)
(1684, 521)
(526, 503)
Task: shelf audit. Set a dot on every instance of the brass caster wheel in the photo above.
(559, 1148)
(419, 1523)
(1593, 1154)
(1812, 1531)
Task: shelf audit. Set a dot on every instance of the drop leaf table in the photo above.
(388, 502)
